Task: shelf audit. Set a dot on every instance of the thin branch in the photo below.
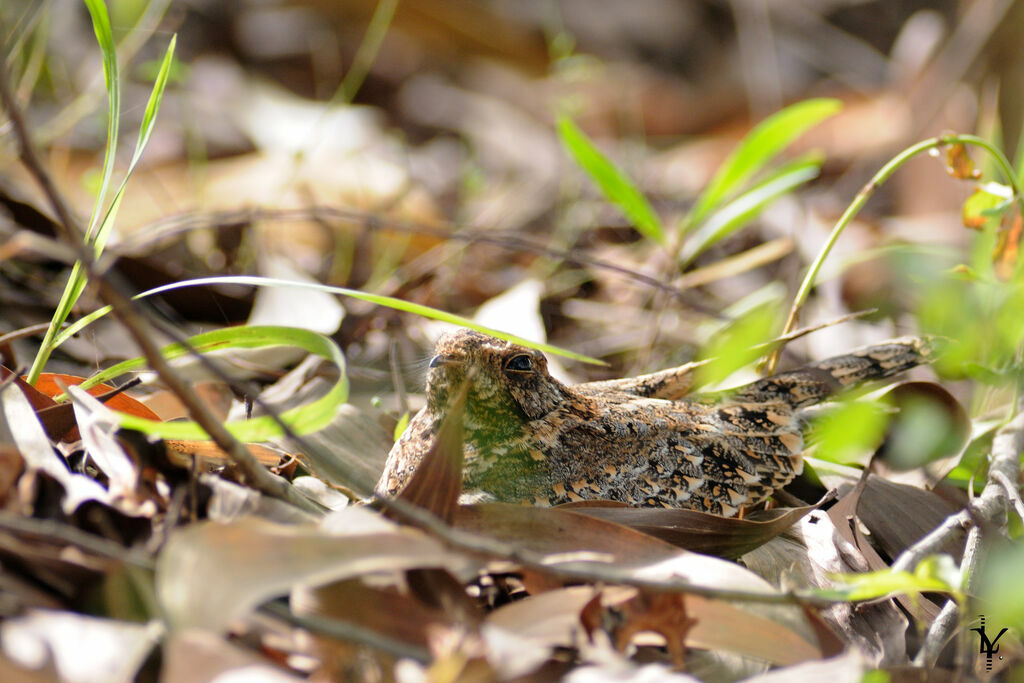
(138, 328)
(343, 630)
(1012, 493)
(988, 509)
(69, 535)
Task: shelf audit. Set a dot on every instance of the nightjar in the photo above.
(530, 438)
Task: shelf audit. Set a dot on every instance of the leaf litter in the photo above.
(220, 578)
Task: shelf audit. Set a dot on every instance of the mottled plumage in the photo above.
(530, 438)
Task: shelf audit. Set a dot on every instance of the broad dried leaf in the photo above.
(21, 429)
(383, 610)
(714, 625)
(210, 455)
(662, 613)
(210, 574)
(195, 656)
(58, 418)
(98, 426)
(570, 539)
(698, 531)
(436, 484)
(898, 515)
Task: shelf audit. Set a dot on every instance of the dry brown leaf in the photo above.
(711, 625)
(383, 610)
(959, 163)
(698, 531)
(211, 573)
(436, 484)
(1006, 253)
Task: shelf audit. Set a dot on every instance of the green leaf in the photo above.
(388, 301)
(105, 38)
(613, 183)
(986, 206)
(302, 420)
(850, 432)
(403, 422)
(936, 573)
(740, 211)
(76, 282)
(145, 131)
(738, 344)
(764, 142)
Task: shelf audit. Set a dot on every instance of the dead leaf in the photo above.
(1006, 253)
(662, 613)
(959, 163)
(698, 531)
(83, 649)
(436, 484)
(210, 573)
(21, 429)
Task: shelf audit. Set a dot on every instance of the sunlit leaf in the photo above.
(211, 573)
(937, 574)
(302, 420)
(737, 344)
(740, 211)
(403, 422)
(850, 432)
(981, 208)
(614, 184)
(761, 144)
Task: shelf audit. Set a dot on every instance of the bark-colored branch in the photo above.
(987, 511)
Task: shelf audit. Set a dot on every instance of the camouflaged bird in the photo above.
(530, 438)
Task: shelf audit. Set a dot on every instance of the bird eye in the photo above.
(519, 363)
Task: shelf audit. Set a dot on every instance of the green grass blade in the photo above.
(761, 145)
(145, 131)
(302, 419)
(390, 302)
(76, 283)
(366, 54)
(105, 38)
(738, 212)
(613, 183)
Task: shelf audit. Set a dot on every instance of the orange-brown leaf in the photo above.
(959, 163)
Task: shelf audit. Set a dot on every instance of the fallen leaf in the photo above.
(83, 649)
(210, 573)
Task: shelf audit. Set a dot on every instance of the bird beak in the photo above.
(443, 360)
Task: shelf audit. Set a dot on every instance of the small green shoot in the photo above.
(757, 149)
(99, 228)
(613, 183)
(403, 422)
(744, 208)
